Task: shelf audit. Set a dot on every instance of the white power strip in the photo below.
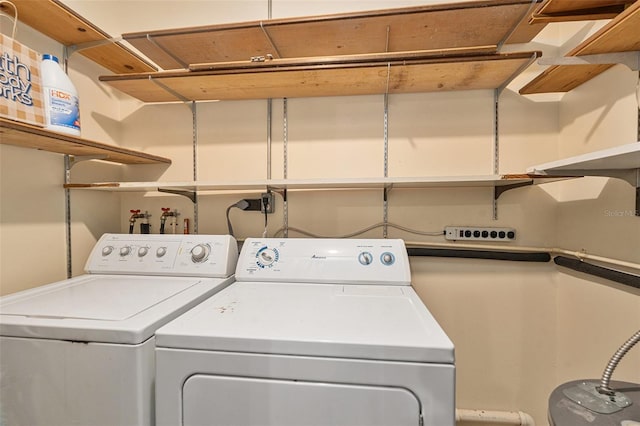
(479, 233)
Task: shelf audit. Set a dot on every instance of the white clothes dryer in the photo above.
(313, 332)
(81, 351)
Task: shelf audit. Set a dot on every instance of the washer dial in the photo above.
(107, 250)
(266, 257)
(125, 251)
(365, 258)
(142, 251)
(200, 253)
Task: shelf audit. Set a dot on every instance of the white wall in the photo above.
(33, 249)
(520, 329)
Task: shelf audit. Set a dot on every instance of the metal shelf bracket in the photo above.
(629, 59)
(499, 190)
(75, 159)
(73, 48)
(192, 195)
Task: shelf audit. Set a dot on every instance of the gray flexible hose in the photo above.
(613, 363)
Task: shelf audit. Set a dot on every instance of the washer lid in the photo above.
(102, 308)
(348, 321)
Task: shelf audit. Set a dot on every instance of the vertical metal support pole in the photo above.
(638, 170)
(67, 192)
(285, 138)
(638, 101)
(637, 192)
(194, 118)
(496, 144)
(386, 135)
(385, 204)
(269, 117)
(285, 165)
(67, 213)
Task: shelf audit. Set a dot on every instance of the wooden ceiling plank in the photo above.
(559, 7)
(619, 35)
(477, 23)
(416, 75)
(55, 20)
(346, 59)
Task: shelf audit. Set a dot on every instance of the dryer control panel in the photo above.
(346, 261)
(173, 255)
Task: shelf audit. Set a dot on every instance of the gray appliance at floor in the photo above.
(598, 403)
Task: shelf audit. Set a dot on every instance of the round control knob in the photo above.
(106, 251)
(387, 258)
(161, 251)
(142, 251)
(365, 258)
(124, 251)
(266, 257)
(200, 253)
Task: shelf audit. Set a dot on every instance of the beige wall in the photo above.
(520, 329)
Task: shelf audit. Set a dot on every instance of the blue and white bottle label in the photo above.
(63, 108)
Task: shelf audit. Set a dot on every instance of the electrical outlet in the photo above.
(268, 197)
(254, 204)
(479, 233)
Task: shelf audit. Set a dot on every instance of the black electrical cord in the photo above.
(242, 205)
(265, 208)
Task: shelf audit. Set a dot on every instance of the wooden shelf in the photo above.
(621, 34)
(457, 25)
(491, 181)
(54, 19)
(337, 76)
(25, 135)
(578, 10)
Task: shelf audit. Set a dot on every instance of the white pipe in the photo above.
(552, 250)
(495, 417)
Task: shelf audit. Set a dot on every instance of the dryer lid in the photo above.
(347, 321)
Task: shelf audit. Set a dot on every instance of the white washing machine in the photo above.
(313, 332)
(81, 351)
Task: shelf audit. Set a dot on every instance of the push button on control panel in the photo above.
(387, 258)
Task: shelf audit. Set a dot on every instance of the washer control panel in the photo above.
(362, 261)
(174, 255)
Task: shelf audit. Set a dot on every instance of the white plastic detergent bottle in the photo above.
(62, 108)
